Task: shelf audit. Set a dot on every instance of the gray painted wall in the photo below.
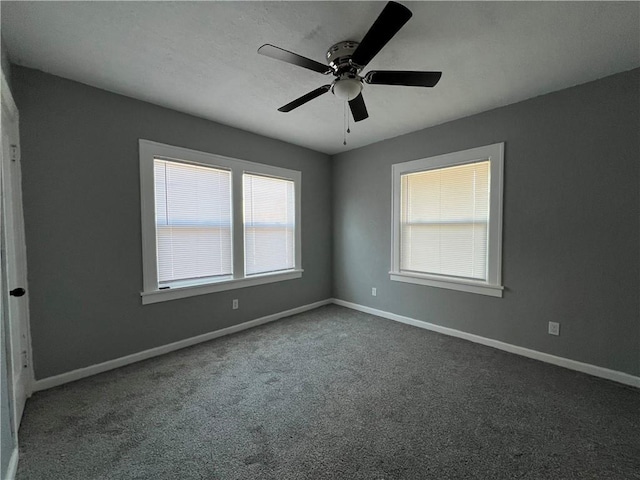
(82, 220)
(571, 224)
(571, 230)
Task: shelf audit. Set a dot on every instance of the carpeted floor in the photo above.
(334, 394)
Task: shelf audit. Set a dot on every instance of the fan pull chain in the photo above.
(344, 141)
(346, 123)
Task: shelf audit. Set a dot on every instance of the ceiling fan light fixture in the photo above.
(347, 88)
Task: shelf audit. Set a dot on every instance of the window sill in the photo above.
(461, 285)
(173, 293)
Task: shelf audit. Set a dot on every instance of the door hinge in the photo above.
(14, 153)
(25, 363)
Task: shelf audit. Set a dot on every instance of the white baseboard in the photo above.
(594, 370)
(74, 375)
(12, 468)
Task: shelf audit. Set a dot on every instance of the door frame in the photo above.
(17, 331)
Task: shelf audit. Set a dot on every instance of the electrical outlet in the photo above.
(235, 304)
(554, 328)
(374, 291)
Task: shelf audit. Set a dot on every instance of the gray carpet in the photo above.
(334, 394)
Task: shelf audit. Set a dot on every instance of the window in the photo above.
(211, 223)
(269, 224)
(193, 222)
(447, 221)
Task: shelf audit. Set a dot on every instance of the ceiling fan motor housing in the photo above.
(339, 56)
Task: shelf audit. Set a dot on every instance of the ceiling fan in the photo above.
(347, 59)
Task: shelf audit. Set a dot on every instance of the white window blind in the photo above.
(444, 221)
(269, 224)
(193, 221)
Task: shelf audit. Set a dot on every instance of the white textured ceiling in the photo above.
(200, 57)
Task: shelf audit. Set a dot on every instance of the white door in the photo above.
(15, 296)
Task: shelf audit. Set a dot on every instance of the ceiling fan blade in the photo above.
(388, 23)
(305, 98)
(358, 108)
(293, 58)
(397, 77)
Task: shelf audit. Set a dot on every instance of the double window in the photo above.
(211, 223)
(447, 221)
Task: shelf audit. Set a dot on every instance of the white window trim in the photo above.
(150, 292)
(493, 285)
